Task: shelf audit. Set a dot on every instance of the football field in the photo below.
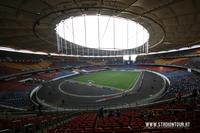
(114, 79)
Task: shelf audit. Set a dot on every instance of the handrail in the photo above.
(12, 107)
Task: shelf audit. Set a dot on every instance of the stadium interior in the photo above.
(100, 66)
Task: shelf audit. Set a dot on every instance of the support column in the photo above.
(57, 39)
(85, 34)
(143, 40)
(114, 35)
(73, 37)
(137, 49)
(127, 32)
(98, 35)
(61, 45)
(147, 46)
(65, 44)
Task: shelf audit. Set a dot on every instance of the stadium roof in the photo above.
(30, 24)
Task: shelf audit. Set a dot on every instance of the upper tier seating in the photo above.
(186, 58)
(177, 61)
(13, 62)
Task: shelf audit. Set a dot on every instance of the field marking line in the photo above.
(132, 85)
(86, 96)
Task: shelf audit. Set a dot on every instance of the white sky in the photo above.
(127, 34)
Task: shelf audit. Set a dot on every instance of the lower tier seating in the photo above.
(130, 121)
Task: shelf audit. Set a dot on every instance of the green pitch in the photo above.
(115, 79)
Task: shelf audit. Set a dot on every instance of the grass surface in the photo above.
(116, 79)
